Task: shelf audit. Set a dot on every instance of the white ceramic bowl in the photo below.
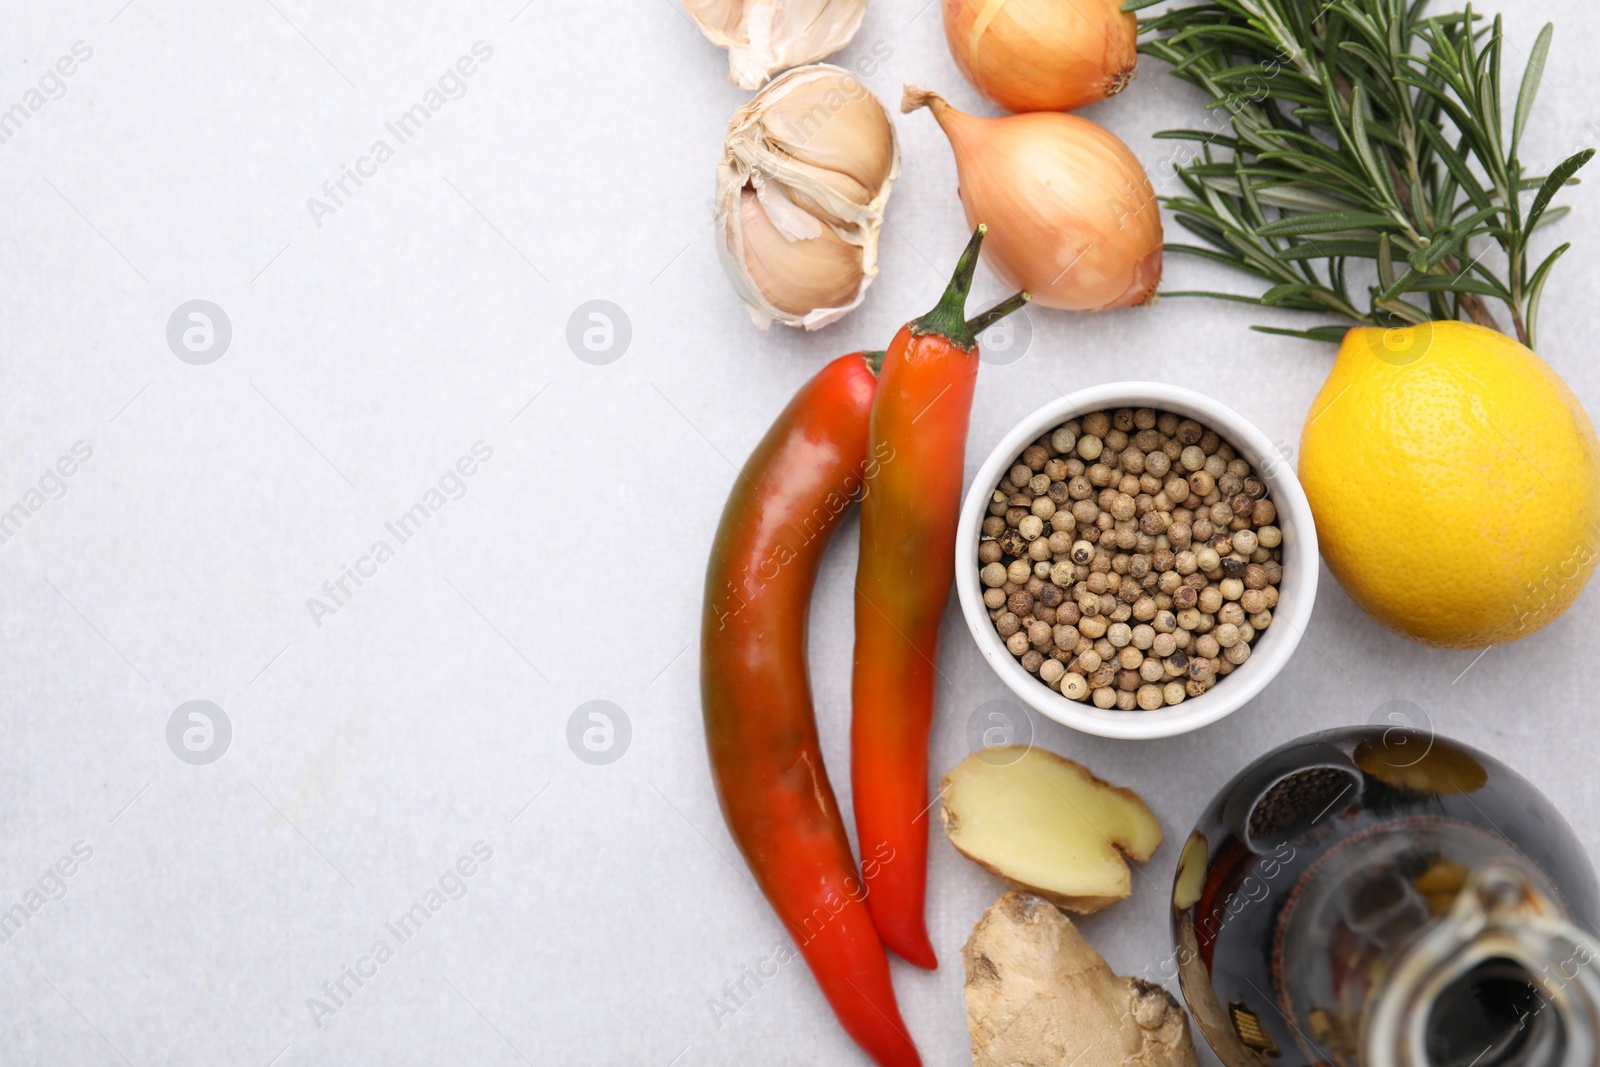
(1271, 649)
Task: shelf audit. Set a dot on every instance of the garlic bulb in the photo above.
(762, 36)
(806, 171)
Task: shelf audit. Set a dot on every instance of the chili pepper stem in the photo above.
(988, 318)
(874, 361)
(948, 319)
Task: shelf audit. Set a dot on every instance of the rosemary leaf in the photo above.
(1360, 131)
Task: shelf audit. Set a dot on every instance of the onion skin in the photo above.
(1043, 55)
(1072, 216)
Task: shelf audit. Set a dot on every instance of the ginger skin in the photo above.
(1038, 995)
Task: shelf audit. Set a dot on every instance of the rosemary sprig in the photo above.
(1359, 144)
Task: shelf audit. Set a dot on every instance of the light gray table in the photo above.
(371, 347)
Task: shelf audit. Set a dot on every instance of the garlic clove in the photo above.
(763, 36)
(797, 275)
(841, 184)
(806, 171)
(836, 125)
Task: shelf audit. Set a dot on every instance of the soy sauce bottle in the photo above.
(1383, 897)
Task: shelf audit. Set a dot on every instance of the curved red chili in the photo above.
(903, 578)
(756, 695)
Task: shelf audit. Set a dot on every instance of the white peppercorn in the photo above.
(1125, 558)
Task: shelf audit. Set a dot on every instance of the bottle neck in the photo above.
(1503, 980)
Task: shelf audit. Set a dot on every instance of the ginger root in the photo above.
(1039, 996)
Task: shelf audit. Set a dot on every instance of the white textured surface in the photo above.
(367, 356)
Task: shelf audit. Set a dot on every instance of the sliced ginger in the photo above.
(1046, 825)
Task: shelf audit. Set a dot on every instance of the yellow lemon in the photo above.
(1455, 482)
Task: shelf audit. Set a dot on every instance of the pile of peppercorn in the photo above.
(1130, 558)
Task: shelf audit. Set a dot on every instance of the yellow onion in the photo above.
(1043, 55)
(1072, 216)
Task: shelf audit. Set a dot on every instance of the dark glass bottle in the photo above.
(1374, 896)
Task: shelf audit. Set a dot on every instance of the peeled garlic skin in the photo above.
(1072, 216)
(763, 36)
(1042, 55)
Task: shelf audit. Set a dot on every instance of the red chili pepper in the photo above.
(903, 578)
(760, 726)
